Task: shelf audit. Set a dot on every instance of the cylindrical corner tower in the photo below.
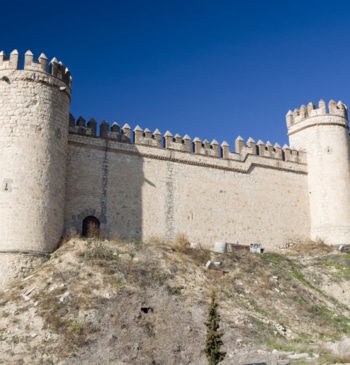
(324, 136)
(34, 116)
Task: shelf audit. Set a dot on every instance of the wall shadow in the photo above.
(104, 180)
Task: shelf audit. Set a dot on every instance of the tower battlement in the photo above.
(34, 113)
(323, 134)
(59, 174)
(305, 115)
(41, 68)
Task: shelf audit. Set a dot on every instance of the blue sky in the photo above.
(210, 69)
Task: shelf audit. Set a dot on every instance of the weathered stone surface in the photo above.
(34, 114)
(325, 138)
(55, 172)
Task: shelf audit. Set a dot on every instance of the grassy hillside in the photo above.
(100, 302)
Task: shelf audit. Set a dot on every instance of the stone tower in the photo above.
(34, 116)
(324, 136)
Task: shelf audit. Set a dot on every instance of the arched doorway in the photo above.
(91, 227)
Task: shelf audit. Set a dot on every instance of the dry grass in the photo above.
(335, 353)
(157, 241)
(69, 236)
(118, 240)
(199, 255)
(87, 278)
(265, 282)
(100, 251)
(181, 242)
(52, 309)
(312, 247)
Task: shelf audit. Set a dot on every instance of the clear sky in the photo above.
(209, 69)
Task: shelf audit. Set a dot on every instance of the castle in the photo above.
(60, 175)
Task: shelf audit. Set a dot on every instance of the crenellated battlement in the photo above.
(34, 111)
(89, 129)
(139, 183)
(41, 68)
(305, 112)
(184, 144)
(323, 134)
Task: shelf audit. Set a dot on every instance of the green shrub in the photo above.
(214, 335)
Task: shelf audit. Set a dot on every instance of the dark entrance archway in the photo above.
(91, 227)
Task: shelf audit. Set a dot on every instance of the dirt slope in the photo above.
(146, 303)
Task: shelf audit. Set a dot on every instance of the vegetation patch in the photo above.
(214, 334)
(340, 264)
(324, 316)
(138, 243)
(310, 247)
(75, 327)
(274, 258)
(174, 290)
(89, 298)
(99, 251)
(299, 276)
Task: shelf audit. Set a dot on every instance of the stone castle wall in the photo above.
(56, 171)
(323, 134)
(142, 189)
(34, 110)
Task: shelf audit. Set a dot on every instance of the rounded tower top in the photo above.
(307, 116)
(34, 117)
(53, 73)
(323, 133)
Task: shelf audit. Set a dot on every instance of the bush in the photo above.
(213, 339)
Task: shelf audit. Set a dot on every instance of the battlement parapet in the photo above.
(206, 148)
(89, 129)
(299, 116)
(233, 162)
(148, 138)
(41, 68)
(267, 150)
(177, 142)
(184, 144)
